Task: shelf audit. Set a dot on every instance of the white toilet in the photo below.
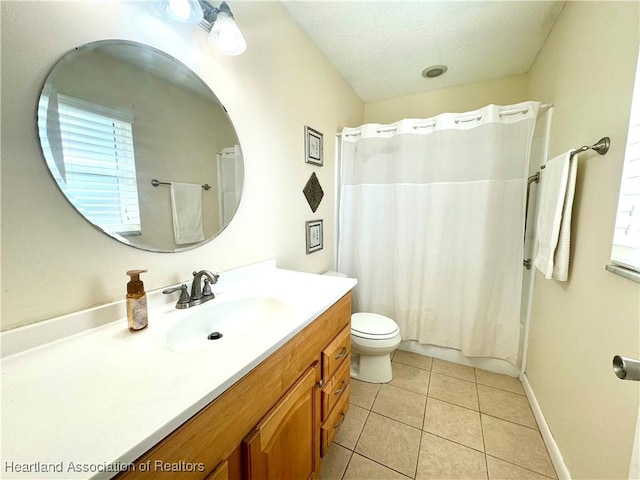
(373, 338)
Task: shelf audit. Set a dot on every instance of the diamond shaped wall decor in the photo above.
(313, 192)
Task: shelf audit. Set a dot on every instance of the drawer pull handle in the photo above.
(337, 425)
(341, 389)
(342, 354)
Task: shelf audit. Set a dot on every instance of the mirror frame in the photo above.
(69, 57)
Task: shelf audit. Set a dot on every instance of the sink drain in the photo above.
(214, 336)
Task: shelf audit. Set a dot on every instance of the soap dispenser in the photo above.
(136, 302)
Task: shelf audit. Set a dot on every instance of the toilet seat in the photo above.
(373, 326)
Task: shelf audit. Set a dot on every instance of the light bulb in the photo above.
(185, 11)
(180, 9)
(226, 36)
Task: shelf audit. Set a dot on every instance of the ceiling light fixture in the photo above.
(434, 71)
(224, 34)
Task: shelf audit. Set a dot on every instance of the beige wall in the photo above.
(464, 98)
(54, 262)
(586, 68)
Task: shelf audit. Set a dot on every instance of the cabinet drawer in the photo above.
(332, 424)
(335, 388)
(334, 353)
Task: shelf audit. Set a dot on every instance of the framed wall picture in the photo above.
(314, 236)
(313, 146)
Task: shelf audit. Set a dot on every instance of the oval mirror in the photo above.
(140, 146)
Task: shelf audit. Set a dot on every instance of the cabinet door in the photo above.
(284, 445)
(220, 473)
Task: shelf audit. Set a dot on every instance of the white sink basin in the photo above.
(235, 319)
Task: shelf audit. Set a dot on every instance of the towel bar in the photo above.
(533, 178)
(601, 147)
(155, 182)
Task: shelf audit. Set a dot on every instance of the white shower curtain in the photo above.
(431, 223)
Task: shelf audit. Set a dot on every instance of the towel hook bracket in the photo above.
(601, 147)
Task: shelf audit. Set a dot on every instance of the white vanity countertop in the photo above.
(105, 396)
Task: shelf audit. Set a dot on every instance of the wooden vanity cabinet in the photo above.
(269, 423)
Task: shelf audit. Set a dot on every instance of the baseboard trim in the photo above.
(554, 452)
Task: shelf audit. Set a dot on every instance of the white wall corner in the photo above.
(554, 451)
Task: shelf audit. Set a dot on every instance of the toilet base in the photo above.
(372, 369)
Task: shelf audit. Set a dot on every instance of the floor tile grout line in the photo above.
(484, 445)
(411, 365)
(424, 415)
(382, 464)
(454, 404)
(453, 441)
(520, 466)
(401, 421)
(404, 389)
(364, 424)
(395, 420)
(535, 429)
(512, 393)
(501, 390)
(346, 467)
(451, 376)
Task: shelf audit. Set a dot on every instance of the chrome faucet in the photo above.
(199, 294)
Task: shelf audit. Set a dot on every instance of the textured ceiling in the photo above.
(381, 48)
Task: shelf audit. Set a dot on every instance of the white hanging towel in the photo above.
(186, 206)
(557, 188)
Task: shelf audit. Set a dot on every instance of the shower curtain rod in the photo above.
(515, 111)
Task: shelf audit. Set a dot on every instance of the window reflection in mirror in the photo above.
(113, 115)
(626, 238)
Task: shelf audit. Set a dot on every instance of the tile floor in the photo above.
(438, 420)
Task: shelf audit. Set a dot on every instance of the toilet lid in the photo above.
(372, 325)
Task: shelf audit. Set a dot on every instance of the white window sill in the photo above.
(623, 272)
